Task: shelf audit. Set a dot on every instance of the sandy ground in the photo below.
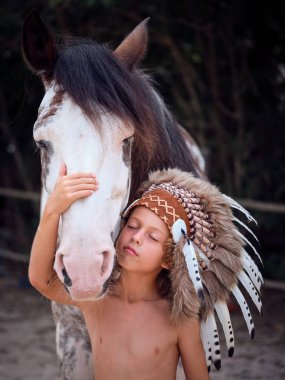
(27, 349)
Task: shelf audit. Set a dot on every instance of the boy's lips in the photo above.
(130, 250)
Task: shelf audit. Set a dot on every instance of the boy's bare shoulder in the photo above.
(189, 335)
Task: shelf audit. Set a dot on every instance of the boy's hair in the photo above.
(163, 280)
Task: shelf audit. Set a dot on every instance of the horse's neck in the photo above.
(171, 124)
(199, 161)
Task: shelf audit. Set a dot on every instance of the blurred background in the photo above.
(219, 65)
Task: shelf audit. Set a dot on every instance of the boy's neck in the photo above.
(135, 287)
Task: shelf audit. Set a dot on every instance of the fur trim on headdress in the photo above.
(185, 302)
(211, 239)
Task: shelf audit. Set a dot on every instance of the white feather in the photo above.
(212, 330)
(178, 229)
(252, 291)
(247, 257)
(245, 310)
(206, 343)
(249, 243)
(245, 226)
(251, 269)
(193, 267)
(225, 319)
(234, 204)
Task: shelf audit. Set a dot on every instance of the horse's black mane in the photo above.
(97, 81)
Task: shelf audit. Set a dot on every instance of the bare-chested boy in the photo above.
(131, 333)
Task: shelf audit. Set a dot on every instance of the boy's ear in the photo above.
(165, 266)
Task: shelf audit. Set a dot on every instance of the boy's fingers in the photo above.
(81, 175)
(79, 181)
(84, 186)
(82, 194)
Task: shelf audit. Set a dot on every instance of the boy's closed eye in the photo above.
(133, 226)
(154, 238)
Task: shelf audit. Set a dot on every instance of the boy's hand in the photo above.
(68, 189)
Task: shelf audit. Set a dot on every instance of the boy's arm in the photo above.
(41, 273)
(192, 351)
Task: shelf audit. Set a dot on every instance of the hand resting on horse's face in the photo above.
(68, 189)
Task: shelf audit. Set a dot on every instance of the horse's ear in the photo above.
(133, 47)
(38, 45)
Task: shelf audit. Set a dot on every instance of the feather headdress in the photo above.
(209, 259)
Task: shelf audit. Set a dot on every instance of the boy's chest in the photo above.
(131, 332)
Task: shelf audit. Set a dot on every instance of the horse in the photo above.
(100, 113)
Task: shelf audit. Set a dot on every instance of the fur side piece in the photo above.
(230, 261)
(215, 288)
(185, 302)
(223, 274)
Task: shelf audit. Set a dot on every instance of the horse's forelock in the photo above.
(97, 82)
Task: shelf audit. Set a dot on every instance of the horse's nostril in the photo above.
(105, 262)
(66, 278)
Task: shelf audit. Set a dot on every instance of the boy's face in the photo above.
(140, 246)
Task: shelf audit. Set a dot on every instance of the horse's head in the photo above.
(87, 119)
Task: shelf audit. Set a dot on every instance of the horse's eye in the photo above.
(42, 144)
(128, 140)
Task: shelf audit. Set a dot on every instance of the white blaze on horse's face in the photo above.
(85, 254)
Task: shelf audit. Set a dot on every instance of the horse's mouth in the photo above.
(68, 283)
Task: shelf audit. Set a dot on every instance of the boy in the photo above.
(179, 256)
(131, 332)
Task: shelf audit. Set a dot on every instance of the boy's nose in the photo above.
(137, 237)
